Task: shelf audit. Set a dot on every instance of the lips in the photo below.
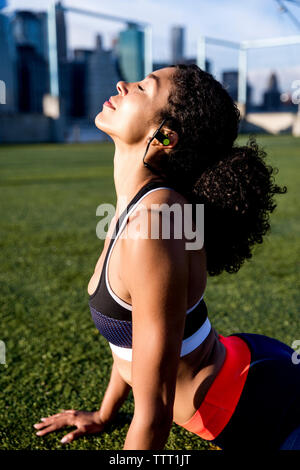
(109, 103)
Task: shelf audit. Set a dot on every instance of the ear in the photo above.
(173, 138)
(171, 135)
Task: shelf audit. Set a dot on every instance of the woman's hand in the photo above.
(86, 422)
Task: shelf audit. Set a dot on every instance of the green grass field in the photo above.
(55, 357)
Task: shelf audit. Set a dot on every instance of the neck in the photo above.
(130, 174)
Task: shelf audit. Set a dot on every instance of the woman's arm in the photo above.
(115, 395)
(157, 279)
(88, 422)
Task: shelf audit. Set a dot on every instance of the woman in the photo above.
(146, 294)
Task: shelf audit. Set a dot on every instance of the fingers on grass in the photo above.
(39, 425)
(45, 422)
(54, 416)
(71, 436)
(51, 428)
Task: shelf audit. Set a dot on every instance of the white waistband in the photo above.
(188, 344)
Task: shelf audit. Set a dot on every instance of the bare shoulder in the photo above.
(156, 225)
(164, 195)
(161, 199)
(171, 209)
(152, 242)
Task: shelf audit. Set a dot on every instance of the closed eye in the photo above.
(141, 88)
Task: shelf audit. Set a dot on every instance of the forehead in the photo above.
(162, 86)
(163, 74)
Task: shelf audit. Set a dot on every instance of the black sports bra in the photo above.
(112, 315)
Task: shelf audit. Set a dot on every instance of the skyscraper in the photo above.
(177, 44)
(30, 29)
(30, 35)
(102, 77)
(61, 37)
(271, 97)
(130, 50)
(193, 60)
(33, 84)
(7, 65)
(230, 82)
(79, 83)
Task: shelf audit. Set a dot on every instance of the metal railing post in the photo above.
(242, 76)
(201, 52)
(53, 64)
(148, 61)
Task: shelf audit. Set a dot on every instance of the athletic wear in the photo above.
(220, 401)
(292, 442)
(113, 316)
(254, 402)
(268, 410)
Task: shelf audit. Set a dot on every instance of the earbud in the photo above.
(164, 139)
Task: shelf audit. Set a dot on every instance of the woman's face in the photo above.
(135, 106)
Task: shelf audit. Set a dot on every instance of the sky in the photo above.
(232, 20)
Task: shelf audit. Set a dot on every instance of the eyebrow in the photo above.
(155, 77)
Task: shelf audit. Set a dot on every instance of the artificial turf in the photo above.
(55, 357)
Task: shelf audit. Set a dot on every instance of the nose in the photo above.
(122, 87)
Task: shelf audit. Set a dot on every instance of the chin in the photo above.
(97, 121)
(101, 125)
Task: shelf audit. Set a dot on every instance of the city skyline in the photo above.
(86, 77)
(29, 30)
(235, 21)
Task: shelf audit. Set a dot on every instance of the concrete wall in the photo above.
(21, 128)
(271, 123)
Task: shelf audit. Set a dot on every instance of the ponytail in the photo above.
(238, 197)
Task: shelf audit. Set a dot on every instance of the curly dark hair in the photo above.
(233, 182)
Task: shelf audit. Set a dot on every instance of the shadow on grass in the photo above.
(122, 419)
